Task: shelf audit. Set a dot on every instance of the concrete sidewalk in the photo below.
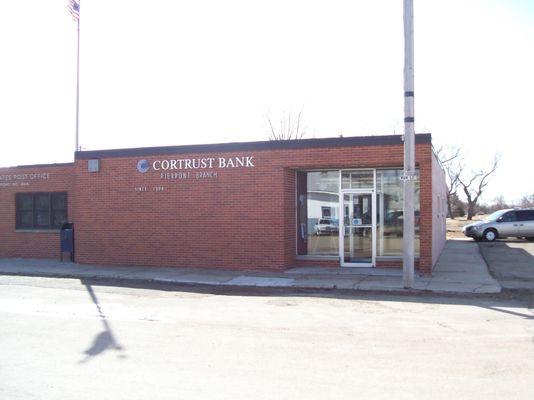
(460, 270)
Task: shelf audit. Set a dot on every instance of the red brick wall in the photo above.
(424, 159)
(25, 243)
(245, 218)
(380, 263)
(233, 221)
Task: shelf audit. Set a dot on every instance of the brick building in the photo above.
(257, 205)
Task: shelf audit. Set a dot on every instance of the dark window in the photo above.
(508, 217)
(41, 210)
(525, 215)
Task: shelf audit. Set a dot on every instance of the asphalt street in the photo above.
(69, 338)
(511, 262)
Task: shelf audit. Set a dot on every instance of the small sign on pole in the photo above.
(407, 177)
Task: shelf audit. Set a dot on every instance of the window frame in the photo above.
(52, 211)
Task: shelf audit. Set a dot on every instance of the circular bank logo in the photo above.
(142, 166)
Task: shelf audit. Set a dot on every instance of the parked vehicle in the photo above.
(393, 223)
(326, 227)
(503, 223)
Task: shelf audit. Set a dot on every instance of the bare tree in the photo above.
(499, 203)
(474, 184)
(527, 201)
(450, 158)
(290, 128)
(448, 154)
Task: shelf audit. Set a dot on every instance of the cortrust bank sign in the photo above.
(193, 167)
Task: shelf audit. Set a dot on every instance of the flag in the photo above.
(74, 9)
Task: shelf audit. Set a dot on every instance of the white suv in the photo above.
(326, 227)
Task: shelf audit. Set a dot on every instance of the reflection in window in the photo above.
(359, 179)
(389, 216)
(318, 194)
(318, 210)
(41, 210)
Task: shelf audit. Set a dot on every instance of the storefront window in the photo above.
(389, 218)
(318, 213)
(318, 210)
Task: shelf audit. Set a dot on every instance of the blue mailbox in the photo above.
(66, 240)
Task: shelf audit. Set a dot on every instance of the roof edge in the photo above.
(69, 164)
(250, 146)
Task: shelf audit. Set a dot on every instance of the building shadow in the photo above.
(105, 340)
(506, 260)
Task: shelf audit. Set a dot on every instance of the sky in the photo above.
(172, 72)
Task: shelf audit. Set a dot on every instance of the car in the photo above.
(326, 227)
(393, 223)
(503, 223)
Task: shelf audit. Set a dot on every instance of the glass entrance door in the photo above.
(357, 230)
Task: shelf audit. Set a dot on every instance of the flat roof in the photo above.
(350, 141)
(67, 164)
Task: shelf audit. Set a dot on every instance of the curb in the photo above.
(216, 288)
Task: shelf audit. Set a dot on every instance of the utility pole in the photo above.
(409, 150)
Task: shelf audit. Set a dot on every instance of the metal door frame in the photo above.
(341, 214)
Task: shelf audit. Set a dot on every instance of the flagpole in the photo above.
(77, 148)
